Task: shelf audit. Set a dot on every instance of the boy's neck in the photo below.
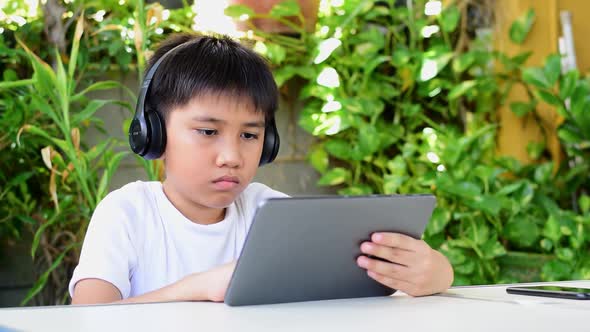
(201, 215)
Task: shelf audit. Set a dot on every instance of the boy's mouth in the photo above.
(226, 182)
(227, 178)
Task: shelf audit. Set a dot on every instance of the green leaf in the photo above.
(521, 58)
(44, 76)
(102, 185)
(433, 62)
(363, 105)
(42, 281)
(41, 105)
(104, 85)
(455, 255)
(461, 89)
(552, 229)
(521, 108)
(462, 62)
(338, 148)
(392, 183)
(61, 85)
(556, 270)
(276, 53)
(88, 111)
(16, 84)
(521, 27)
(493, 248)
(535, 149)
(522, 231)
(319, 123)
(39, 233)
(449, 18)
(543, 173)
(510, 188)
(285, 8)
(42, 133)
(318, 158)
(515, 62)
(565, 254)
(568, 136)
(114, 47)
(536, 77)
(284, 73)
(548, 97)
(546, 244)
(400, 57)
(97, 150)
(112, 165)
(236, 11)
(584, 202)
(488, 204)
(356, 190)
(368, 141)
(335, 176)
(567, 84)
(75, 47)
(439, 220)
(477, 231)
(463, 189)
(552, 68)
(466, 267)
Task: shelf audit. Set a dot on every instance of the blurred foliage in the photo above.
(399, 102)
(51, 179)
(403, 102)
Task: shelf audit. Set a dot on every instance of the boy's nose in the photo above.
(229, 156)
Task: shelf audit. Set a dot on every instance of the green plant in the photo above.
(79, 175)
(397, 111)
(50, 195)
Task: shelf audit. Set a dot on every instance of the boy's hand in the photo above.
(210, 285)
(217, 280)
(410, 265)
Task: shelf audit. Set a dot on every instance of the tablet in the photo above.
(305, 248)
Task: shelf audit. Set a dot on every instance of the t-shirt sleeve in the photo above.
(107, 252)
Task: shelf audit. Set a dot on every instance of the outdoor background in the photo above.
(483, 103)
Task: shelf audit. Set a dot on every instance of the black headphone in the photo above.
(147, 132)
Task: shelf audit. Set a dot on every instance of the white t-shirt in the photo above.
(139, 242)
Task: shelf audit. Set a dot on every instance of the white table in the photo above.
(483, 308)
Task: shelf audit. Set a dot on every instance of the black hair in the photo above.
(209, 64)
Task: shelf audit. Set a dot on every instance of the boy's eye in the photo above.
(249, 136)
(207, 132)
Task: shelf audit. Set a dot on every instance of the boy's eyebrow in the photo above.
(257, 124)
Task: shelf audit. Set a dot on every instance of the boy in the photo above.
(178, 240)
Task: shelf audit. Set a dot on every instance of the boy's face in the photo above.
(213, 149)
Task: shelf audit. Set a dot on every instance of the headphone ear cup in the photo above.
(156, 135)
(271, 144)
(138, 136)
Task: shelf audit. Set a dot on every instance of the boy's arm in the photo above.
(206, 286)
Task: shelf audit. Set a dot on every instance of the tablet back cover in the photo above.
(305, 249)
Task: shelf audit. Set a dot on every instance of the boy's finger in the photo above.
(385, 268)
(394, 255)
(396, 240)
(393, 283)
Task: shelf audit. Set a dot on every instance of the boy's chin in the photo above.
(221, 202)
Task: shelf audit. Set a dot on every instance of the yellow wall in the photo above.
(515, 133)
(580, 10)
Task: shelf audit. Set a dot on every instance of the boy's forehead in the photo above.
(223, 102)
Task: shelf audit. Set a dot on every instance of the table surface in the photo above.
(475, 308)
